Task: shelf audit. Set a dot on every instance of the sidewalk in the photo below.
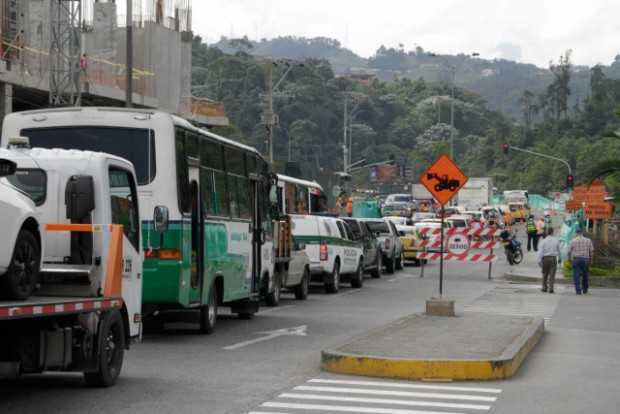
(529, 271)
(470, 346)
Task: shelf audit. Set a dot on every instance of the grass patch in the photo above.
(602, 272)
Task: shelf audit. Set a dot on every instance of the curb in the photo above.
(502, 367)
(516, 277)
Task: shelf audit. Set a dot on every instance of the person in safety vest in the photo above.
(532, 234)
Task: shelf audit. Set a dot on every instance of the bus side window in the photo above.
(182, 172)
(221, 195)
(208, 191)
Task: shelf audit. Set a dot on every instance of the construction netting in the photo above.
(366, 209)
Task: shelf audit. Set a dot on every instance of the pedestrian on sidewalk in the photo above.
(549, 257)
(580, 253)
(540, 229)
(531, 234)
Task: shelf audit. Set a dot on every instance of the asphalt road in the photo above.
(270, 364)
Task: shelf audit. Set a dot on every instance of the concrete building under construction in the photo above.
(73, 52)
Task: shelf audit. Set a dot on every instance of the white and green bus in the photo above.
(208, 240)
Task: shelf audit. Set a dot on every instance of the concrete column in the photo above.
(6, 100)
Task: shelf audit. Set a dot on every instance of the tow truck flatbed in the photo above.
(41, 306)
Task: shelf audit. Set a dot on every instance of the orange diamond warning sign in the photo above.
(443, 179)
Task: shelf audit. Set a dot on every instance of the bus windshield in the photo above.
(129, 143)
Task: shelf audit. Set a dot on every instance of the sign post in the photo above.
(443, 180)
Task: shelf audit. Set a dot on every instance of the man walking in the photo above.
(531, 234)
(549, 257)
(580, 252)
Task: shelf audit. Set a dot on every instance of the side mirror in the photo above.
(80, 197)
(378, 234)
(7, 168)
(161, 218)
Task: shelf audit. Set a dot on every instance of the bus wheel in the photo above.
(273, 298)
(111, 351)
(208, 313)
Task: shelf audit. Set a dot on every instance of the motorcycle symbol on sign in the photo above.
(444, 183)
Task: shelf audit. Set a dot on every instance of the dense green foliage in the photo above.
(409, 119)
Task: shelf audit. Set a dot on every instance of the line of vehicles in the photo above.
(117, 218)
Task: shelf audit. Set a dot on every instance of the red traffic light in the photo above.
(505, 148)
(570, 181)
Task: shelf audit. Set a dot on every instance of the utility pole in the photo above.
(452, 115)
(269, 116)
(344, 141)
(129, 63)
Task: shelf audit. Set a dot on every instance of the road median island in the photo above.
(470, 346)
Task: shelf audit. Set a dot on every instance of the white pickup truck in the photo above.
(71, 268)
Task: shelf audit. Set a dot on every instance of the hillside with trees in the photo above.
(500, 82)
(409, 119)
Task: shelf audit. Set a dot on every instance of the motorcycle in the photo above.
(512, 247)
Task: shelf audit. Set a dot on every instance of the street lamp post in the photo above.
(270, 118)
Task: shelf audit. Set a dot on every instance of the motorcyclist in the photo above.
(506, 237)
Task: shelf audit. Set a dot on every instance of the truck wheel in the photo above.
(400, 261)
(333, 285)
(111, 351)
(273, 298)
(357, 279)
(390, 265)
(376, 273)
(208, 313)
(301, 290)
(21, 278)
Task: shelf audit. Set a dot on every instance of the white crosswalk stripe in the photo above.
(328, 395)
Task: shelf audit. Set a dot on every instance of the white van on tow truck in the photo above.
(84, 304)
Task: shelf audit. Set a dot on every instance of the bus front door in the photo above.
(197, 230)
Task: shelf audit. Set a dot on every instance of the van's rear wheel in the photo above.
(111, 351)
(333, 283)
(21, 278)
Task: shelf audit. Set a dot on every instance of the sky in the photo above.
(527, 31)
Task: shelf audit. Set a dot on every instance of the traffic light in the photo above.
(505, 148)
(570, 182)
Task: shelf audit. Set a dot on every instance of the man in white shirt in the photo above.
(548, 258)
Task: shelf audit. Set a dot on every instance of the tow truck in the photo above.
(78, 297)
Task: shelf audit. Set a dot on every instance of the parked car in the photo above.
(370, 244)
(459, 221)
(391, 246)
(411, 243)
(419, 216)
(332, 252)
(400, 221)
(20, 251)
(399, 205)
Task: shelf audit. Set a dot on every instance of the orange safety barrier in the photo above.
(114, 276)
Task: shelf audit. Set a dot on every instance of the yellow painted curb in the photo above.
(502, 367)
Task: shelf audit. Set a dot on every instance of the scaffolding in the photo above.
(64, 64)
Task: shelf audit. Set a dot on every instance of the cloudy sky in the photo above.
(532, 31)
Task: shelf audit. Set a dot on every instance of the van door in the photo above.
(124, 210)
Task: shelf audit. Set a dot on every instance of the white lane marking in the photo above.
(295, 331)
(412, 403)
(463, 397)
(276, 309)
(410, 386)
(347, 409)
(266, 412)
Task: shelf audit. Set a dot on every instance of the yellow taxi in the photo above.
(411, 246)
